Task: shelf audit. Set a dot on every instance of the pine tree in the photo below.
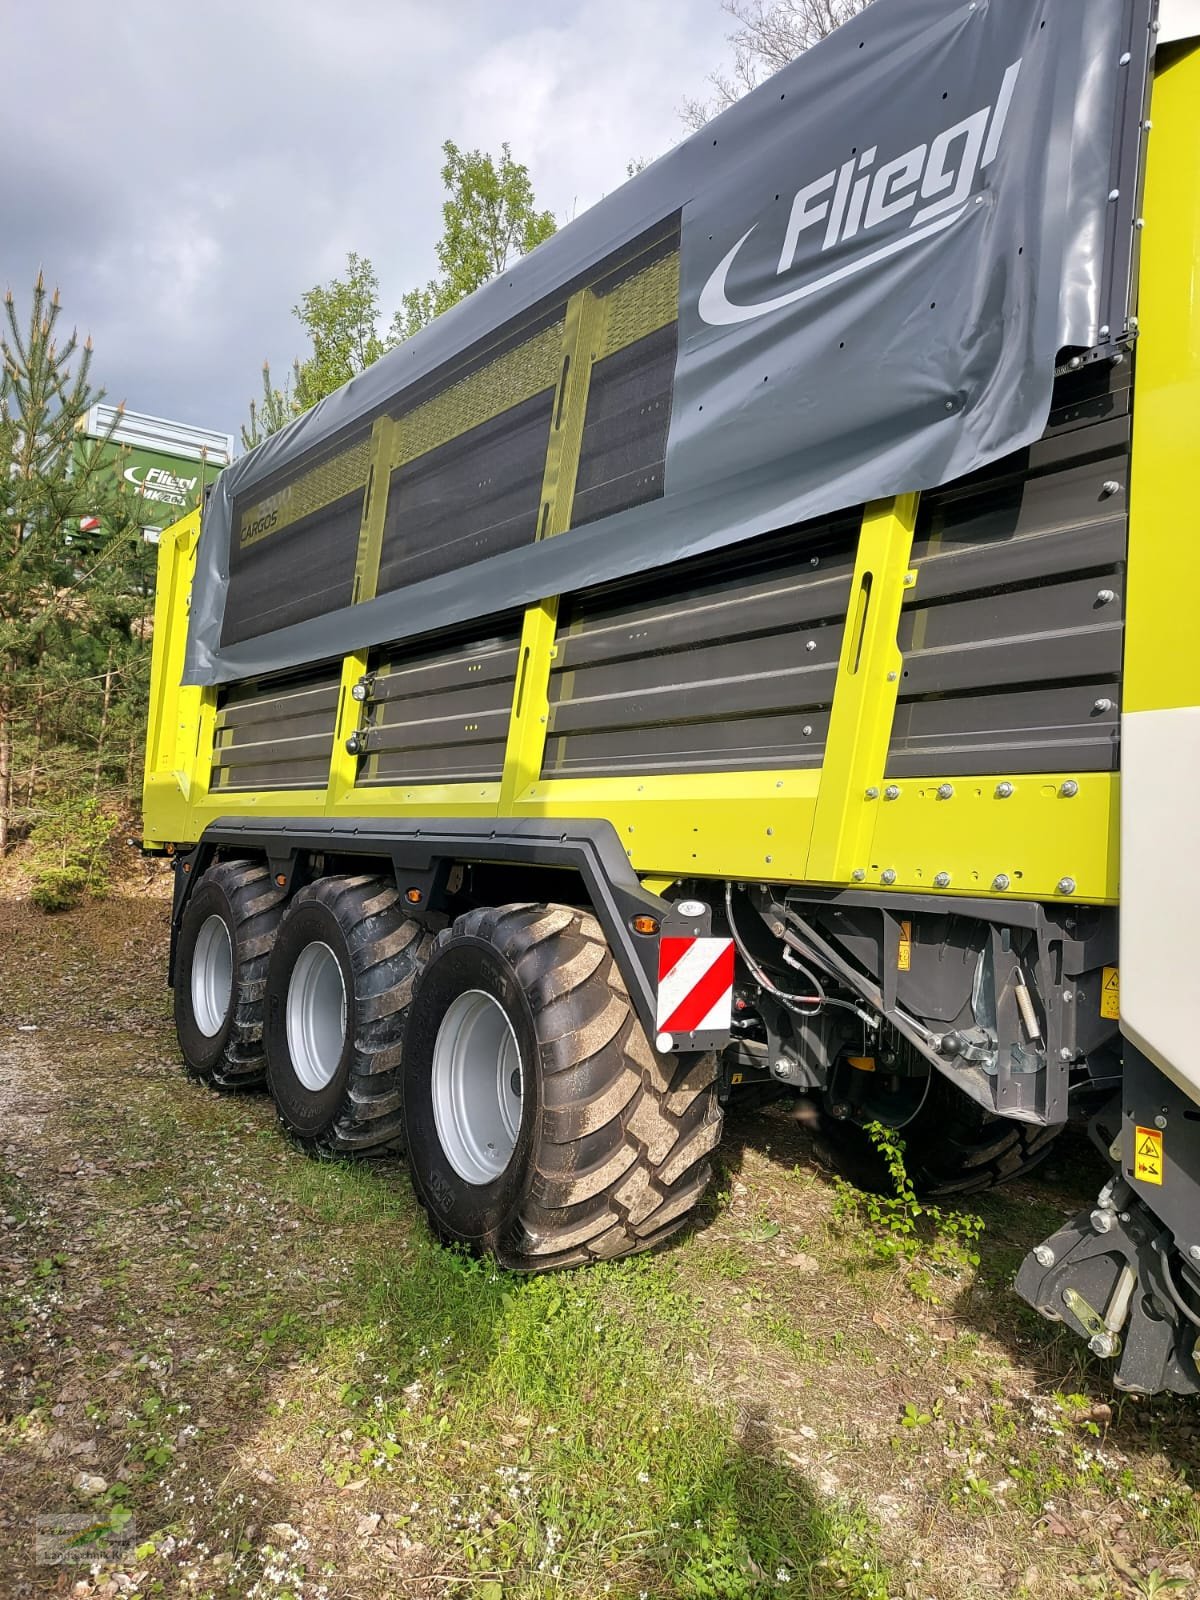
(50, 478)
(275, 410)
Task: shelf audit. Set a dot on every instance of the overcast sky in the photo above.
(201, 165)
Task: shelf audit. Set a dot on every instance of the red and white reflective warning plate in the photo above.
(695, 985)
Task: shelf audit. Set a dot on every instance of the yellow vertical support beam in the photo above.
(864, 697)
(343, 767)
(583, 336)
(196, 758)
(370, 533)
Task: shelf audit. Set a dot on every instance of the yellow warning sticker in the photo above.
(904, 953)
(1110, 994)
(1148, 1155)
(861, 1063)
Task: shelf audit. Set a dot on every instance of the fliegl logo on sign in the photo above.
(156, 483)
(930, 186)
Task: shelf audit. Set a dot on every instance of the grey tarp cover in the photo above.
(883, 249)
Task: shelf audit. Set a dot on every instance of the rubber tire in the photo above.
(952, 1145)
(611, 1152)
(379, 948)
(244, 894)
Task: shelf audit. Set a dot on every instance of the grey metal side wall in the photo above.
(1013, 636)
(277, 733)
(1012, 640)
(440, 715)
(721, 665)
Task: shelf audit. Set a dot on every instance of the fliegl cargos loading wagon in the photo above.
(748, 647)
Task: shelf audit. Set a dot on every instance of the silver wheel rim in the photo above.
(212, 976)
(316, 1016)
(478, 1086)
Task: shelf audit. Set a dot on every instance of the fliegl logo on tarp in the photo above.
(156, 483)
(931, 185)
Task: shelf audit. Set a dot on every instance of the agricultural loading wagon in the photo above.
(710, 659)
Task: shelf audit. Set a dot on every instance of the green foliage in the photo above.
(73, 604)
(914, 1417)
(58, 888)
(1154, 1583)
(904, 1228)
(68, 845)
(341, 319)
(489, 219)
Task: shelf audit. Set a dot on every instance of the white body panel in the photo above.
(1178, 19)
(145, 432)
(1160, 890)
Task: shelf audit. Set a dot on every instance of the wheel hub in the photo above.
(316, 1016)
(478, 1087)
(212, 976)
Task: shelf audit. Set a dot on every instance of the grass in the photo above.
(286, 1388)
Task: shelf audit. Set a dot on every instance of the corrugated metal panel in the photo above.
(708, 668)
(441, 716)
(277, 734)
(145, 432)
(1012, 639)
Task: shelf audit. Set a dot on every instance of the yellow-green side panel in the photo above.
(1160, 723)
(719, 824)
(1030, 837)
(1162, 662)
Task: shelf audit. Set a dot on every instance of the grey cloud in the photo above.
(203, 166)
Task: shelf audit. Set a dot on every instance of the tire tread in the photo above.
(620, 1157)
(387, 950)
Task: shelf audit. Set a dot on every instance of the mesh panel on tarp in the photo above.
(473, 497)
(303, 574)
(468, 464)
(629, 392)
(625, 431)
(294, 544)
